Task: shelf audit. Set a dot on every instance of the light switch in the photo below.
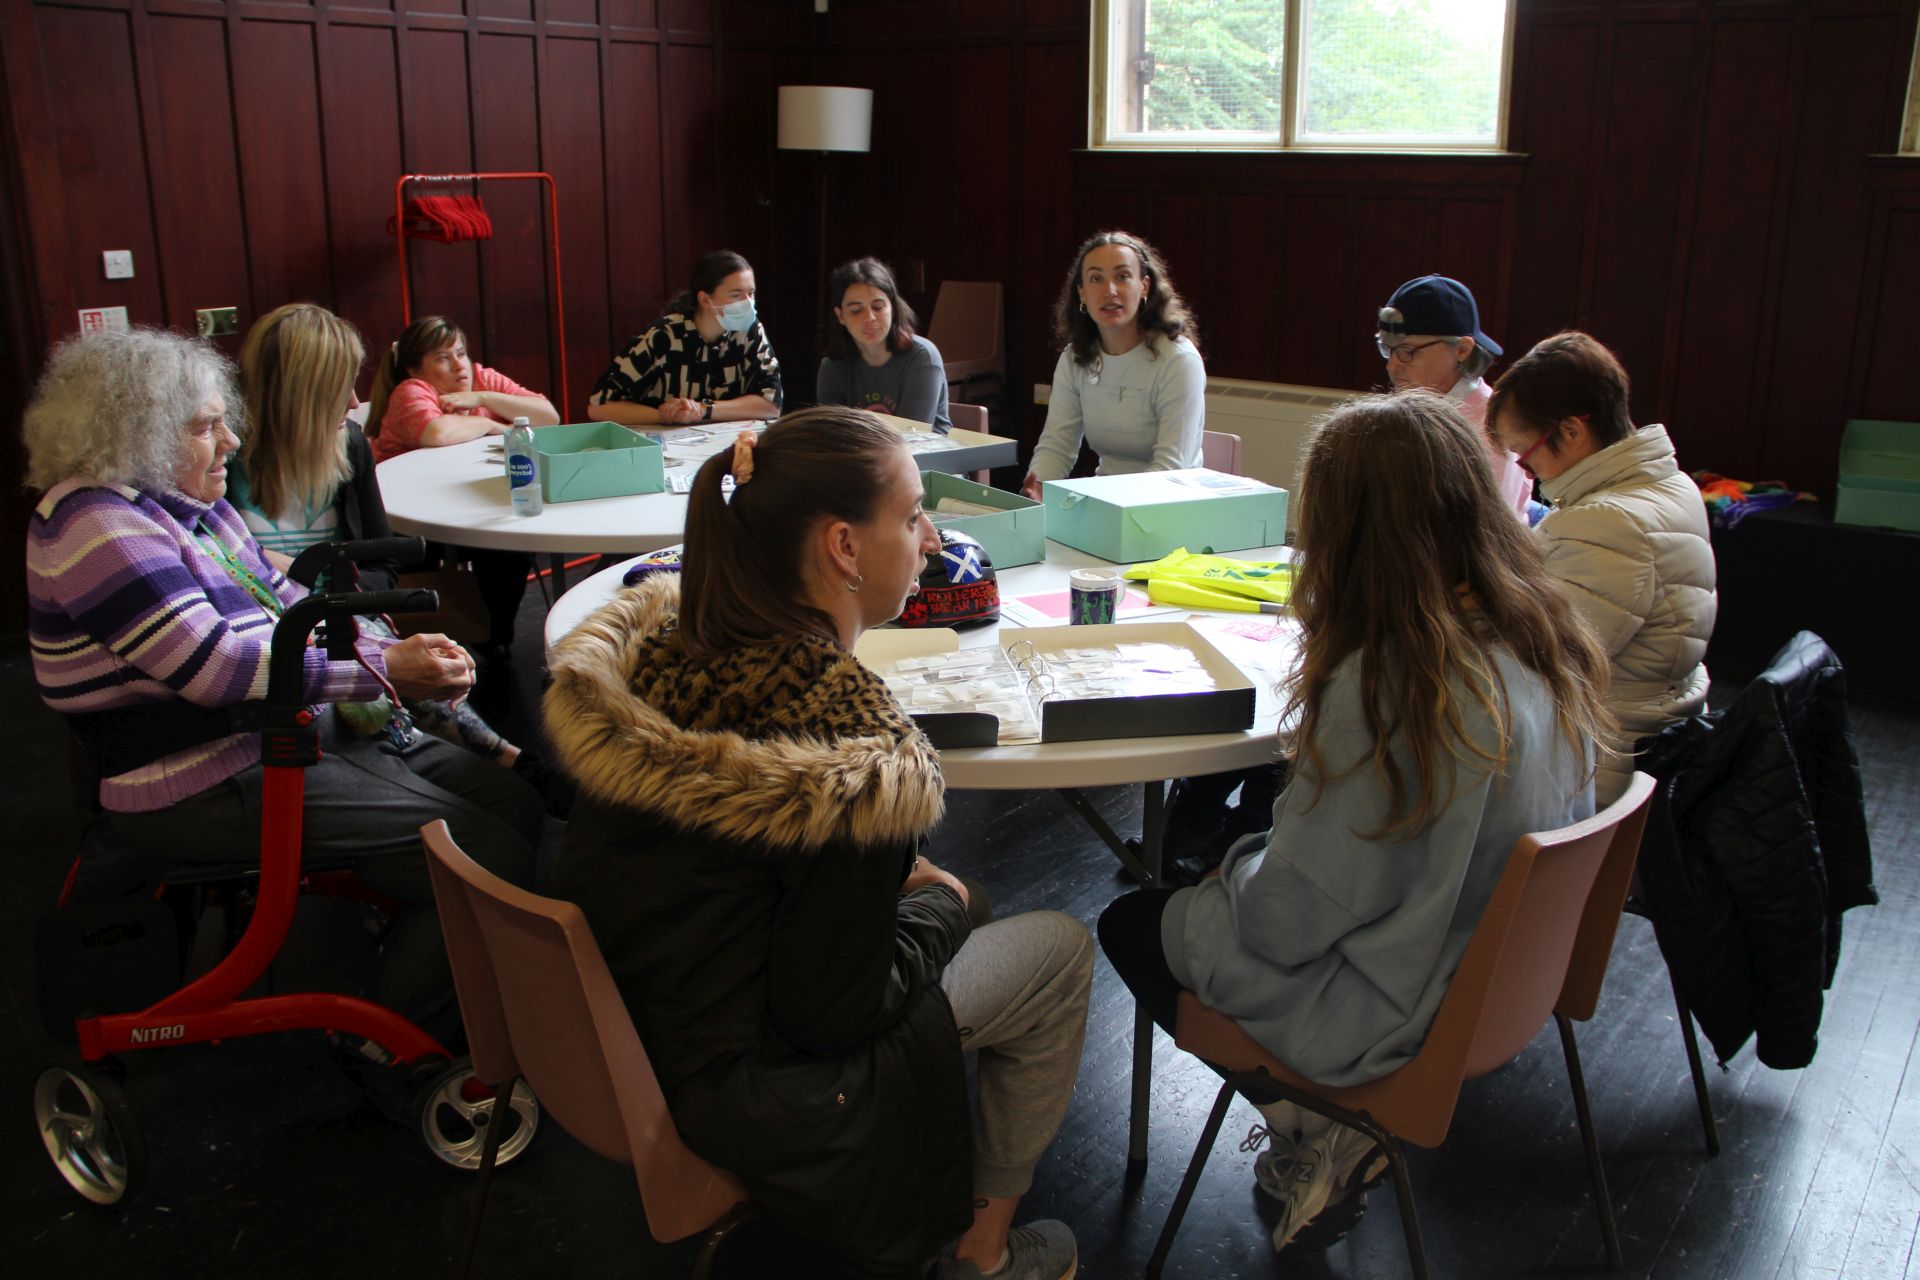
(117, 263)
(1042, 392)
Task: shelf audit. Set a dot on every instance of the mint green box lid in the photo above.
(1131, 518)
(1879, 475)
(1877, 454)
(597, 460)
(1015, 535)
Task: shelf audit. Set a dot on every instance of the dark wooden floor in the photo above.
(266, 1163)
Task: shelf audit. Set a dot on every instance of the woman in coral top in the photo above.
(429, 393)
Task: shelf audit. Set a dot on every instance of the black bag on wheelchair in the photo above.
(104, 957)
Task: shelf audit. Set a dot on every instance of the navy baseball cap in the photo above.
(1438, 305)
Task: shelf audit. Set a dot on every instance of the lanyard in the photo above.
(245, 577)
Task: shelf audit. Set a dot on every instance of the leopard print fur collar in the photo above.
(792, 746)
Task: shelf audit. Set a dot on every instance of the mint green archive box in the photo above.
(1015, 535)
(597, 460)
(1127, 519)
(1879, 475)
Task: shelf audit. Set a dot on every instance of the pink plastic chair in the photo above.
(539, 1003)
(971, 417)
(968, 329)
(1220, 451)
(1534, 956)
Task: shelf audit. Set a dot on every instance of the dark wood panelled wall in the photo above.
(1702, 184)
(246, 153)
(1694, 182)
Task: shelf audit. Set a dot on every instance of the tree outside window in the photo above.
(1407, 74)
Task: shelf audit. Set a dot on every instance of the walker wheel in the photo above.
(455, 1110)
(90, 1133)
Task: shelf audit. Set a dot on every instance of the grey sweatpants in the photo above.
(364, 803)
(1019, 992)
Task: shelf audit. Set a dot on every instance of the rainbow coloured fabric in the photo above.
(1730, 501)
(124, 607)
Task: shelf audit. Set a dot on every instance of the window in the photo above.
(1910, 128)
(1410, 75)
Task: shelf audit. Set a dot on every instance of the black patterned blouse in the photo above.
(671, 359)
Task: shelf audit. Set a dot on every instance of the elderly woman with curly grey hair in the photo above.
(151, 611)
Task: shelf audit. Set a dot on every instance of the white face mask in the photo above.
(738, 317)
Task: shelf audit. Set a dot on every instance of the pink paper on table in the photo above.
(1055, 604)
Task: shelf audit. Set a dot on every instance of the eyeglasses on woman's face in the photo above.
(1403, 353)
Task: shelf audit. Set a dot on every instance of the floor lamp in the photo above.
(825, 119)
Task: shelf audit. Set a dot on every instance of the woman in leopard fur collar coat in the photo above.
(746, 848)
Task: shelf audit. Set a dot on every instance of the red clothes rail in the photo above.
(553, 220)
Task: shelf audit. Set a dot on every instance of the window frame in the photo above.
(1288, 136)
(1909, 143)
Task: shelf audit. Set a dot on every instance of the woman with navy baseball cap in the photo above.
(1430, 337)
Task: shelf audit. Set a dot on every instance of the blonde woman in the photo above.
(305, 474)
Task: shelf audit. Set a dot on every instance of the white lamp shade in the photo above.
(824, 118)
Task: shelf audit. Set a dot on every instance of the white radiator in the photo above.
(1272, 420)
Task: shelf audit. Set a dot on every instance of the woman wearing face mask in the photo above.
(1130, 382)
(706, 360)
(874, 358)
(1430, 338)
(1627, 537)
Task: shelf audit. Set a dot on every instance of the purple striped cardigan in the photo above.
(124, 607)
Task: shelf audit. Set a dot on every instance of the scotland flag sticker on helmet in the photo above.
(957, 586)
(962, 558)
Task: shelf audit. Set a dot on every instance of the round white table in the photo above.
(458, 495)
(1068, 766)
(1041, 765)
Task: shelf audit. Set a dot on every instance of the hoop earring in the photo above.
(856, 582)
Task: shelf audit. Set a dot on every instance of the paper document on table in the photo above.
(919, 442)
(1217, 482)
(1051, 608)
(682, 482)
(688, 447)
(1269, 651)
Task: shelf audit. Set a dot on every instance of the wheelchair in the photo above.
(81, 1110)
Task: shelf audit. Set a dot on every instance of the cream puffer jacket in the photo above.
(1628, 538)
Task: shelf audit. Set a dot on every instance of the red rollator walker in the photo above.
(82, 1111)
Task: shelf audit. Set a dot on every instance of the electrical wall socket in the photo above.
(1042, 392)
(117, 264)
(217, 322)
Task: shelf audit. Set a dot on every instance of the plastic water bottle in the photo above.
(523, 469)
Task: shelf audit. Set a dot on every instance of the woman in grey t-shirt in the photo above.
(1130, 381)
(874, 359)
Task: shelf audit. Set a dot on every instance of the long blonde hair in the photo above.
(297, 369)
(1410, 559)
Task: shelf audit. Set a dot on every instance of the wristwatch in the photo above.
(706, 411)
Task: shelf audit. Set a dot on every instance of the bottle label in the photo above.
(519, 470)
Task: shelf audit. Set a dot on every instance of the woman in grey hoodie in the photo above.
(1447, 702)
